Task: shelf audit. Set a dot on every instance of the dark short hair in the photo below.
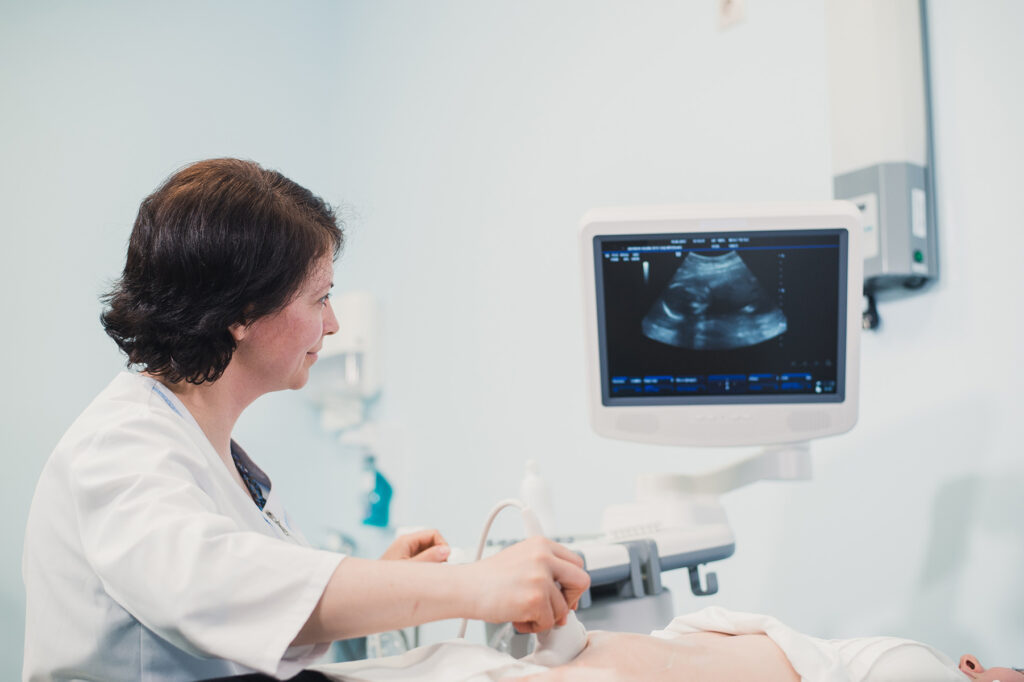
(220, 242)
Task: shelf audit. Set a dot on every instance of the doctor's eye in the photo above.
(325, 298)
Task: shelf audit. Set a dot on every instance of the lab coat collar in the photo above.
(173, 403)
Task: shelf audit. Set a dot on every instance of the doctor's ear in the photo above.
(238, 331)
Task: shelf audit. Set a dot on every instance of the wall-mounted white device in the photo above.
(882, 160)
(347, 377)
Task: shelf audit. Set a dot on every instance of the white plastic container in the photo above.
(534, 492)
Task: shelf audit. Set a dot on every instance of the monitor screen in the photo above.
(728, 317)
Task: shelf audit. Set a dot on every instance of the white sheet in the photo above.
(864, 659)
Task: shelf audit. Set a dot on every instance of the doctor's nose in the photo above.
(330, 321)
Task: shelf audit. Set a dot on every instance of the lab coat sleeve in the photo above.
(183, 568)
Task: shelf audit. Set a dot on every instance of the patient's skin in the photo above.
(972, 667)
(618, 657)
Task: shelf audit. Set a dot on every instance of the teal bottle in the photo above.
(378, 495)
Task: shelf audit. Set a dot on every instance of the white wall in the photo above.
(466, 139)
(98, 103)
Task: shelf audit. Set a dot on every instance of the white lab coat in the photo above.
(145, 560)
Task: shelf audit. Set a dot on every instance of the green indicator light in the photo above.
(918, 257)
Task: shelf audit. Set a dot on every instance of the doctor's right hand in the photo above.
(533, 584)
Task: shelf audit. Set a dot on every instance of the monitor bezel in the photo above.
(725, 420)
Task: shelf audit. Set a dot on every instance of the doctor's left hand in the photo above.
(423, 545)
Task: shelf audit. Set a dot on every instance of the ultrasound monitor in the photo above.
(723, 324)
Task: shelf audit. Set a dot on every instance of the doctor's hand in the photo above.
(533, 584)
(423, 545)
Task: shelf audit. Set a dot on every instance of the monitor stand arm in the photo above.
(690, 503)
(787, 462)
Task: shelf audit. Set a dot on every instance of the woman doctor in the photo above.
(156, 548)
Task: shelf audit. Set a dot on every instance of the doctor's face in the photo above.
(275, 352)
